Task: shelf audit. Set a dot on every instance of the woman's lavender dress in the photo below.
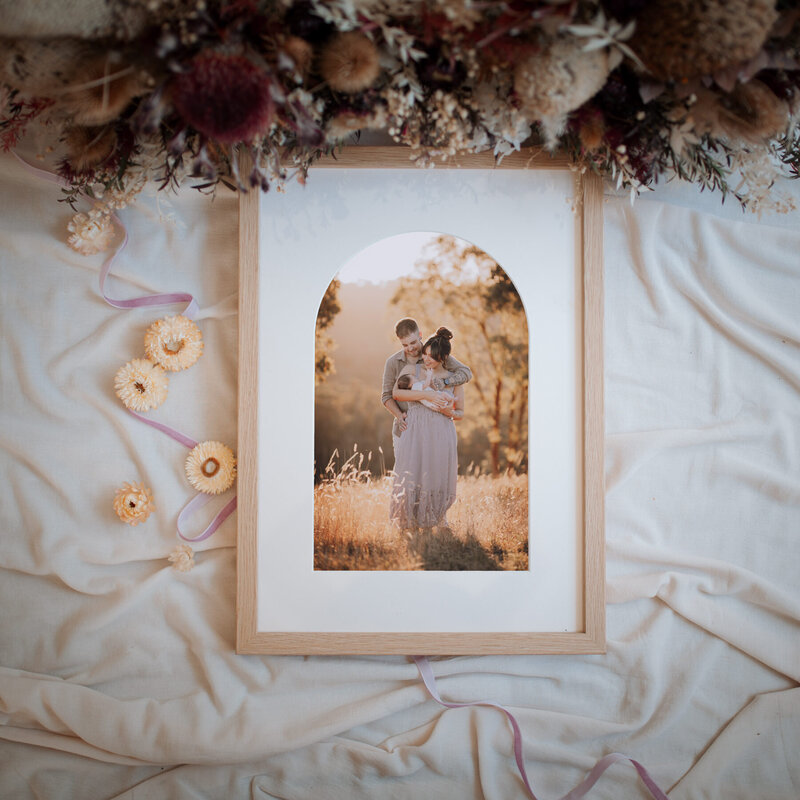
(426, 467)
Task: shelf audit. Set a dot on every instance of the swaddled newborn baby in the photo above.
(407, 382)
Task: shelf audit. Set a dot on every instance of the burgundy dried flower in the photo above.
(225, 97)
(301, 20)
(21, 111)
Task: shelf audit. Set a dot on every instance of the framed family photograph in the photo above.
(421, 409)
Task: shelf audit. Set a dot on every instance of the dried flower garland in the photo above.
(141, 384)
(211, 467)
(637, 91)
(175, 343)
(133, 503)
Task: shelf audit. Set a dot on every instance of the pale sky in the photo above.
(387, 259)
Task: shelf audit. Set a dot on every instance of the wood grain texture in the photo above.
(247, 490)
(589, 258)
(383, 157)
(593, 414)
(429, 644)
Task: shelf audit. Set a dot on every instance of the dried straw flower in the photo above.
(133, 503)
(558, 79)
(681, 39)
(174, 343)
(90, 233)
(349, 62)
(141, 385)
(89, 148)
(211, 467)
(182, 558)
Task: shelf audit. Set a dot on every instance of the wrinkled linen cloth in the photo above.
(118, 677)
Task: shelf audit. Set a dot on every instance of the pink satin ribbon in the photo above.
(197, 502)
(163, 299)
(429, 679)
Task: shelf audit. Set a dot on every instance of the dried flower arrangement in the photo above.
(638, 91)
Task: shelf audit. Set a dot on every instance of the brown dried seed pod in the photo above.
(88, 148)
(751, 113)
(349, 62)
(104, 86)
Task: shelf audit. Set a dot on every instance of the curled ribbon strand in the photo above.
(164, 299)
(197, 502)
(186, 441)
(200, 499)
(580, 791)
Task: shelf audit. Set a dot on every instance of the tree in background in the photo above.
(328, 308)
(464, 288)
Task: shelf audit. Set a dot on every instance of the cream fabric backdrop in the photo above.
(117, 674)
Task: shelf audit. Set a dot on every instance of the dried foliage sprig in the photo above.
(176, 90)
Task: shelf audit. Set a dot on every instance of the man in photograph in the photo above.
(410, 338)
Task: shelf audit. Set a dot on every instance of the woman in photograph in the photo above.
(426, 458)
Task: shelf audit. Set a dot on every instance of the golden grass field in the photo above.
(352, 531)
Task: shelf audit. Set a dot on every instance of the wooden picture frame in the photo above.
(588, 635)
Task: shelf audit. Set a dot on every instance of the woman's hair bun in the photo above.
(444, 333)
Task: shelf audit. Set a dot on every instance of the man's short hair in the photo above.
(405, 327)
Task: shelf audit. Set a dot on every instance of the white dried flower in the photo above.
(211, 467)
(558, 79)
(175, 343)
(182, 558)
(141, 384)
(759, 173)
(133, 503)
(90, 233)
